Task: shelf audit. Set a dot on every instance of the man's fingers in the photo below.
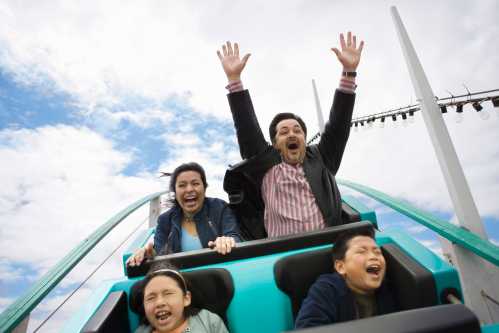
(245, 58)
(349, 39)
(336, 51)
(342, 41)
(219, 55)
(229, 48)
(236, 49)
(224, 50)
(211, 244)
(354, 43)
(361, 46)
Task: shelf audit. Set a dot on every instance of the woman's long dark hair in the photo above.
(191, 166)
(159, 269)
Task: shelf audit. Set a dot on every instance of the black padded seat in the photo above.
(251, 249)
(450, 318)
(348, 214)
(413, 284)
(111, 316)
(212, 289)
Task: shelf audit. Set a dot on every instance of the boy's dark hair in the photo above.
(282, 116)
(158, 269)
(340, 247)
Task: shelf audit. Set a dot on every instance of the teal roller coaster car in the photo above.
(259, 286)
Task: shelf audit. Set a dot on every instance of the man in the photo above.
(355, 290)
(290, 184)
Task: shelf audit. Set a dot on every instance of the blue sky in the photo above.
(97, 98)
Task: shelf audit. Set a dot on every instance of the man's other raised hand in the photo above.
(231, 63)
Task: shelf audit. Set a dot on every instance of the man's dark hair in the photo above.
(159, 269)
(282, 116)
(191, 166)
(341, 245)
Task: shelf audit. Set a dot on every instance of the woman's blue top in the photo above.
(215, 219)
(190, 242)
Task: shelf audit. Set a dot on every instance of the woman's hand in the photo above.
(231, 63)
(222, 245)
(144, 252)
(349, 56)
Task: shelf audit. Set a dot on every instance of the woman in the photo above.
(163, 301)
(194, 222)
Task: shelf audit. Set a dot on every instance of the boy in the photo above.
(355, 290)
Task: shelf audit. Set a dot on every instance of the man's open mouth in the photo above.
(292, 145)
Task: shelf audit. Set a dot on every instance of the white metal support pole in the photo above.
(320, 117)
(477, 276)
(154, 210)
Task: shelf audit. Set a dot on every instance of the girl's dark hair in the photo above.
(158, 269)
(283, 116)
(191, 166)
(341, 245)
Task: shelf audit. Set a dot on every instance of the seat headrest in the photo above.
(296, 273)
(212, 289)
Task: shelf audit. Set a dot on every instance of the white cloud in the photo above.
(4, 302)
(9, 273)
(417, 229)
(60, 184)
(433, 246)
(181, 139)
(102, 53)
(142, 118)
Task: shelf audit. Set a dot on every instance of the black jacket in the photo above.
(330, 301)
(322, 160)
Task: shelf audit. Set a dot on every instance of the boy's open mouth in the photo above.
(373, 269)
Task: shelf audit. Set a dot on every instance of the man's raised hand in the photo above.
(231, 63)
(349, 56)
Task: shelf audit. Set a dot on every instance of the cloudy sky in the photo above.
(97, 97)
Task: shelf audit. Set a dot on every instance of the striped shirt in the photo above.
(290, 205)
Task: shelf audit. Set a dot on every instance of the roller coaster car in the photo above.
(260, 285)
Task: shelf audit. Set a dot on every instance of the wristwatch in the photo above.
(350, 74)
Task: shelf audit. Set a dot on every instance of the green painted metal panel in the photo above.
(17, 311)
(493, 328)
(366, 214)
(458, 235)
